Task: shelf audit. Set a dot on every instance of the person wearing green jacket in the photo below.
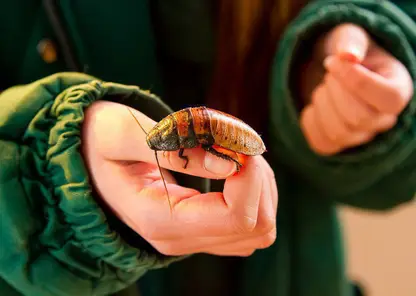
(328, 84)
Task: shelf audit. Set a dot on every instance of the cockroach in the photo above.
(206, 128)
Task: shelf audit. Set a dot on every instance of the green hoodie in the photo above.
(55, 236)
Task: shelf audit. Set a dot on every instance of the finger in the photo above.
(215, 245)
(356, 113)
(336, 131)
(385, 95)
(139, 199)
(237, 247)
(117, 136)
(349, 42)
(142, 211)
(353, 111)
(329, 119)
(357, 139)
(255, 239)
(233, 212)
(266, 220)
(262, 237)
(242, 195)
(210, 214)
(317, 139)
(381, 123)
(314, 134)
(266, 215)
(275, 195)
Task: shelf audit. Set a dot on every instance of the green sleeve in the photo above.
(380, 174)
(55, 239)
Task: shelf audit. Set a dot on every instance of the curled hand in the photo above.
(360, 91)
(123, 168)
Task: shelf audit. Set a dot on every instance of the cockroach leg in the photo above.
(211, 150)
(184, 157)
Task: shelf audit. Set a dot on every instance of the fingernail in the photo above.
(218, 166)
(350, 57)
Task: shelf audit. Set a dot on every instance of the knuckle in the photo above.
(266, 224)
(334, 133)
(270, 224)
(268, 239)
(244, 224)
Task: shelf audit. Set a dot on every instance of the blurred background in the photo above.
(382, 249)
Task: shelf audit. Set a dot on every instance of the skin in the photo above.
(358, 91)
(123, 168)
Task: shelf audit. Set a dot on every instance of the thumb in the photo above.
(348, 41)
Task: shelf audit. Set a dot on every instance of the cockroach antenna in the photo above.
(135, 118)
(157, 159)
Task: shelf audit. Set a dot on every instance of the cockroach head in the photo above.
(163, 136)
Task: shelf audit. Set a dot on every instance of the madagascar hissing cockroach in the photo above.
(206, 128)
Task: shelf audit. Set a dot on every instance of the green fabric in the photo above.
(56, 239)
(377, 176)
(362, 177)
(54, 234)
(96, 29)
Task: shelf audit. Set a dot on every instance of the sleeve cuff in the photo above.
(80, 250)
(348, 172)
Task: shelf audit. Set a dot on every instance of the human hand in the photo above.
(124, 172)
(359, 93)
